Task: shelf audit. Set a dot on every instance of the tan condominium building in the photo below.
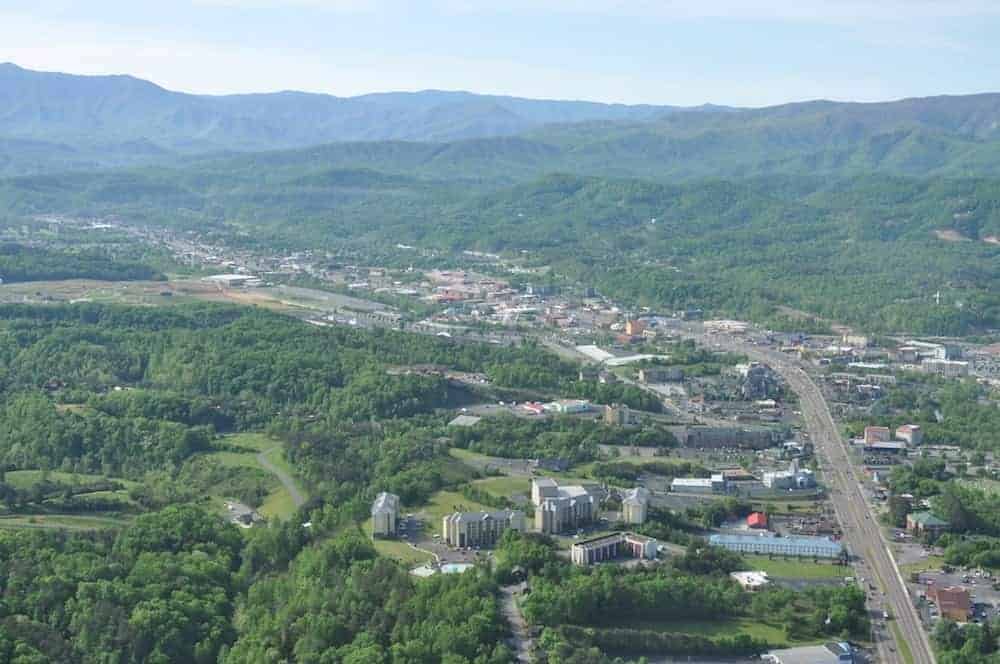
(635, 503)
(385, 514)
(613, 546)
(559, 509)
(480, 529)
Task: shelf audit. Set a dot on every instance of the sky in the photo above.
(735, 52)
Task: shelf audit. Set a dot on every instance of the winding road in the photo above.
(283, 477)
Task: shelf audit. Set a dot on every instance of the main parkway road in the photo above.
(864, 538)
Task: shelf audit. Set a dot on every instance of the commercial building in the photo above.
(953, 602)
(562, 508)
(877, 435)
(768, 543)
(610, 547)
(635, 503)
(728, 437)
(635, 328)
(925, 523)
(793, 478)
(911, 433)
(480, 529)
(661, 375)
(385, 514)
(714, 484)
(568, 406)
(618, 415)
(828, 653)
(751, 581)
(947, 368)
(885, 447)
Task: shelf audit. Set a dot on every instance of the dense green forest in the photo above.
(869, 251)
(122, 410)
(23, 263)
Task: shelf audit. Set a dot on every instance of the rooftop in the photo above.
(927, 519)
(828, 652)
(385, 502)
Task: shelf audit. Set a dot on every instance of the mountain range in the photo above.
(52, 122)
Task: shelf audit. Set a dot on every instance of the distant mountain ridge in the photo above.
(51, 122)
(55, 106)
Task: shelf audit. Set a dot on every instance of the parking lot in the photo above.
(985, 598)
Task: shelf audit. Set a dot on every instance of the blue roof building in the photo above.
(764, 544)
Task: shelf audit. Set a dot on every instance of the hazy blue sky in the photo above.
(740, 52)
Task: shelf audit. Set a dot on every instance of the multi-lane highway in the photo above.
(862, 533)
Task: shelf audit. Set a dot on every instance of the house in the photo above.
(828, 653)
(635, 502)
(953, 602)
(480, 529)
(911, 433)
(757, 520)
(751, 581)
(385, 514)
(610, 547)
(875, 434)
(925, 523)
(768, 543)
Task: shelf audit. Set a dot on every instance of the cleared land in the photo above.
(791, 568)
(402, 552)
(280, 502)
(774, 634)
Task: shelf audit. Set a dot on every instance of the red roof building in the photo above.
(954, 603)
(757, 520)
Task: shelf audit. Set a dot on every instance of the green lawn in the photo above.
(772, 633)
(446, 502)
(793, 568)
(505, 487)
(402, 552)
(928, 563)
(23, 479)
(278, 503)
(63, 521)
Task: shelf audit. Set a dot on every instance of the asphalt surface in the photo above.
(282, 476)
(862, 534)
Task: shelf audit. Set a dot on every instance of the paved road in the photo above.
(283, 477)
(862, 533)
(520, 638)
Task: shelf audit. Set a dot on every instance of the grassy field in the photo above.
(63, 521)
(402, 552)
(792, 568)
(24, 479)
(928, 563)
(278, 503)
(773, 634)
(446, 502)
(505, 487)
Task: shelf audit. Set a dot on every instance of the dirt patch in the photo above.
(950, 236)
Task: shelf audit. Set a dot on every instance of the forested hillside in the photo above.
(869, 251)
(127, 411)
